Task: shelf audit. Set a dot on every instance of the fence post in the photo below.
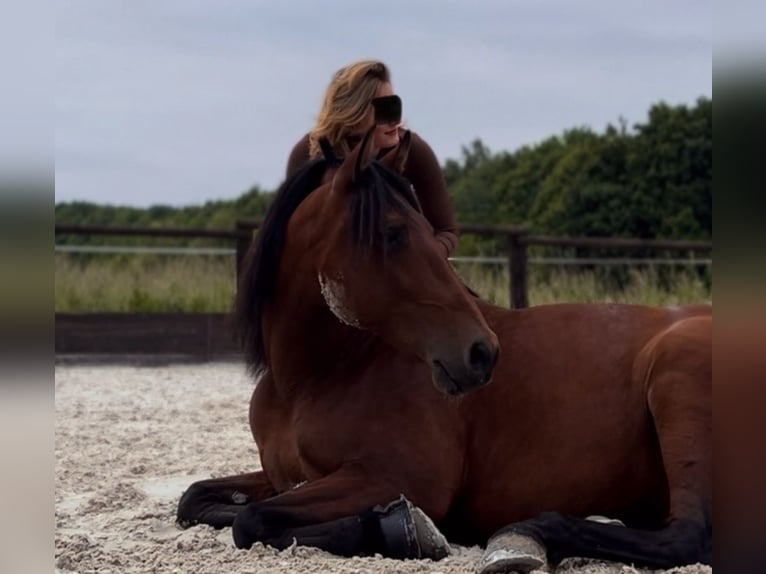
(517, 265)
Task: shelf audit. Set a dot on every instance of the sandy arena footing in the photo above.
(130, 439)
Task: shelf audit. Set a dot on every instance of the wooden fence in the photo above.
(241, 235)
(207, 336)
(517, 239)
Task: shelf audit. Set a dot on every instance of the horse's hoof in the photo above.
(431, 541)
(511, 552)
(410, 533)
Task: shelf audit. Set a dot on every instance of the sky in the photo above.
(186, 101)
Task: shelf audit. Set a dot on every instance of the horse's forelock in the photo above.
(379, 191)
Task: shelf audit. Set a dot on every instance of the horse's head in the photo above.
(380, 269)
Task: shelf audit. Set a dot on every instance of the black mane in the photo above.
(379, 190)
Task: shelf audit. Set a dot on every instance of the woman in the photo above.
(347, 113)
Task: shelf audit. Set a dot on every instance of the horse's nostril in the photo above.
(481, 358)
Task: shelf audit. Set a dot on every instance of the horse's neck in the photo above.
(307, 344)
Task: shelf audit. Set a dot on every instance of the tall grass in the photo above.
(148, 283)
(644, 285)
(152, 283)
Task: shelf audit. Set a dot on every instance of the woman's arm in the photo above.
(425, 174)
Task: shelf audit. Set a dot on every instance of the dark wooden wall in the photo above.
(197, 336)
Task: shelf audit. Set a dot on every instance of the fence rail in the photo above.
(518, 240)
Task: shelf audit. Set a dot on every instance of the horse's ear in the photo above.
(396, 159)
(355, 162)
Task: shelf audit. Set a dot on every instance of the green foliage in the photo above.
(144, 283)
(555, 285)
(220, 214)
(149, 283)
(655, 181)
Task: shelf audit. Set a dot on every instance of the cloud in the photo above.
(183, 102)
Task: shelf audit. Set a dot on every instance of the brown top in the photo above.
(422, 170)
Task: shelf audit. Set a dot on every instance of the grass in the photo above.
(634, 285)
(147, 283)
(151, 283)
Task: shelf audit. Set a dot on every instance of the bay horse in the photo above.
(393, 405)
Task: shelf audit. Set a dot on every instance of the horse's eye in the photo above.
(395, 237)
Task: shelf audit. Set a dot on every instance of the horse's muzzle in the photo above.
(473, 371)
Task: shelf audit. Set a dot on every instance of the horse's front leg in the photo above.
(348, 513)
(217, 501)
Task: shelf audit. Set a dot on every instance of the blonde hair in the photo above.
(346, 104)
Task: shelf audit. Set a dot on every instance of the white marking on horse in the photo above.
(334, 294)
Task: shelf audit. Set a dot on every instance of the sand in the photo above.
(130, 439)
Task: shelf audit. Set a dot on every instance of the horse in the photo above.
(393, 406)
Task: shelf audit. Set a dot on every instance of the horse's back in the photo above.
(568, 408)
(577, 352)
(594, 333)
